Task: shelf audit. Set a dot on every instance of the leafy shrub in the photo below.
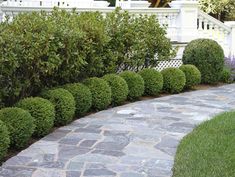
(208, 56)
(92, 24)
(192, 75)
(64, 104)
(100, 91)
(49, 50)
(135, 84)
(226, 75)
(82, 96)
(134, 42)
(153, 81)
(41, 50)
(174, 80)
(42, 111)
(119, 88)
(20, 125)
(4, 139)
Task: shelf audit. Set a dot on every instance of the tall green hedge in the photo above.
(41, 50)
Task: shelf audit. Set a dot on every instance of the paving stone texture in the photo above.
(134, 140)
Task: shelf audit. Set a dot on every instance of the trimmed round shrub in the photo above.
(100, 91)
(135, 84)
(226, 75)
(174, 80)
(20, 125)
(43, 112)
(208, 56)
(153, 81)
(4, 139)
(192, 75)
(64, 104)
(119, 88)
(82, 97)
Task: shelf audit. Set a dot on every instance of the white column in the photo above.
(187, 19)
(231, 37)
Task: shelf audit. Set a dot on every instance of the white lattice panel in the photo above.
(170, 63)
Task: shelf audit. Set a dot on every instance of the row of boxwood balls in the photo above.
(37, 115)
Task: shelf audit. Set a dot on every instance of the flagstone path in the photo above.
(134, 140)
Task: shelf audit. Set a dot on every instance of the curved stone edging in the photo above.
(134, 140)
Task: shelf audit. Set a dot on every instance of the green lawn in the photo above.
(209, 151)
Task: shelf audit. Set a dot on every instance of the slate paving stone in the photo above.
(18, 160)
(58, 165)
(168, 142)
(109, 153)
(95, 165)
(75, 166)
(57, 135)
(68, 152)
(132, 175)
(115, 133)
(134, 140)
(87, 143)
(73, 174)
(48, 157)
(98, 172)
(41, 172)
(16, 171)
(110, 145)
(70, 140)
(88, 130)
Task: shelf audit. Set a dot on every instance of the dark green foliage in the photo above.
(42, 111)
(173, 80)
(20, 125)
(192, 75)
(82, 97)
(49, 50)
(64, 104)
(4, 140)
(92, 24)
(134, 42)
(40, 50)
(118, 87)
(135, 84)
(226, 75)
(100, 91)
(208, 56)
(153, 81)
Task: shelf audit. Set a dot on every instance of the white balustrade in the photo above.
(208, 27)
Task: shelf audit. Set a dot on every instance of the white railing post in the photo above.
(187, 19)
(231, 37)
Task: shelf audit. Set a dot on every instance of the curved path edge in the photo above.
(135, 140)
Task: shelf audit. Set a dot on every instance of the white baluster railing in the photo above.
(209, 27)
